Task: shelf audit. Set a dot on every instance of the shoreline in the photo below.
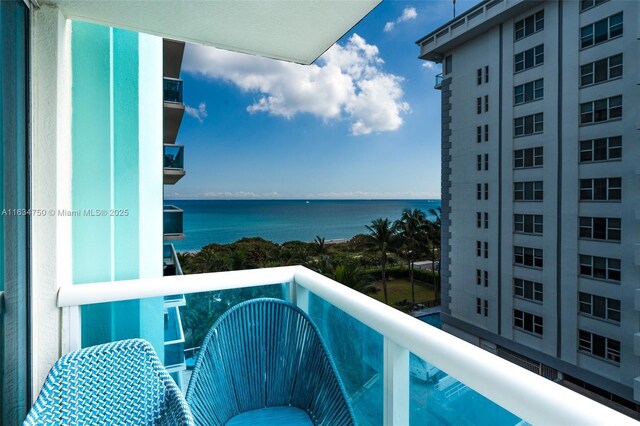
(331, 241)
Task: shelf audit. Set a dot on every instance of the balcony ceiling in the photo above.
(291, 30)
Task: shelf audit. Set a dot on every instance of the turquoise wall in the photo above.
(106, 152)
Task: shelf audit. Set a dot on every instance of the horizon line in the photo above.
(300, 199)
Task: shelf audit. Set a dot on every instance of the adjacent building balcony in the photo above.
(173, 341)
(171, 267)
(173, 223)
(438, 84)
(397, 369)
(173, 109)
(173, 163)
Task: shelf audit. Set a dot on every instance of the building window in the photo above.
(486, 250)
(479, 248)
(529, 25)
(486, 162)
(601, 149)
(601, 189)
(600, 307)
(486, 133)
(528, 125)
(600, 228)
(486, 278)
(479, 134)
(486, 308)
(601, 31)
(479, 162)
(486, 220)
(526, 289)
(486, 74)
(448, 65)
(478, 277)
(529, 58)
(479, 76)
(528, 191)
(486, 191)
(479, 105)
(600, 346)
(588, 4)
(602, 70)
(601, 110)
(478, 306)
(486, 103)
(527, 322)
(478, 220)
(602, 268)
(530, 157)
(527, 256)
(479, 191)
(528, 92)
(527, 223)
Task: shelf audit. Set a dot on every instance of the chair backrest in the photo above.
(115, 383)
(264, 353)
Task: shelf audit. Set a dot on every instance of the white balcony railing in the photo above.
(525, 394)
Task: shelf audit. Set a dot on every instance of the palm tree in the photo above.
(320, 245)
(412, 223)
(381, 235)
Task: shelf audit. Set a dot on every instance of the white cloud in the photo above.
(408, 14)
(430, 65)
(199, 113)
(347, 82)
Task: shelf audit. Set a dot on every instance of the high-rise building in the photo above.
(541, 186)
(173, 159)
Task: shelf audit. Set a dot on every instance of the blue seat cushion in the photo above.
(280, 416)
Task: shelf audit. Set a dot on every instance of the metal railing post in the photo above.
(396, 384)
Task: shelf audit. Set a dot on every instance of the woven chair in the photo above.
(264, 363)
(120, 383)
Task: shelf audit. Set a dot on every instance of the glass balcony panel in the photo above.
(438, 84)
(173, 156)
(172, 326)
(439, 399)
(172, 90)
(357, 351)
(172, 220)
(174, 354)
(183, 328)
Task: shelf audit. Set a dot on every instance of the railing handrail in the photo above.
(527, 395)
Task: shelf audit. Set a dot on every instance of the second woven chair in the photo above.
(264, 362)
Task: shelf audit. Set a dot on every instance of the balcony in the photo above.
(172, 90)
(171, 266)
(173, 109)
(173, 341)
(438, 84)
(173, 223)
(173, 163)
(397, 369)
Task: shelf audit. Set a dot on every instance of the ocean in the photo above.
(226, 221)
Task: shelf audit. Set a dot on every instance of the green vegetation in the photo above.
(380, 264)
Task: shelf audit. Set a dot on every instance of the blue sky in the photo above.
(362, 122)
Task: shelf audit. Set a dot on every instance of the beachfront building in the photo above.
(541, 187)
(82, 100)
(173, 167)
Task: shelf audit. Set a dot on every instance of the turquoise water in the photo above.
(226, 221)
